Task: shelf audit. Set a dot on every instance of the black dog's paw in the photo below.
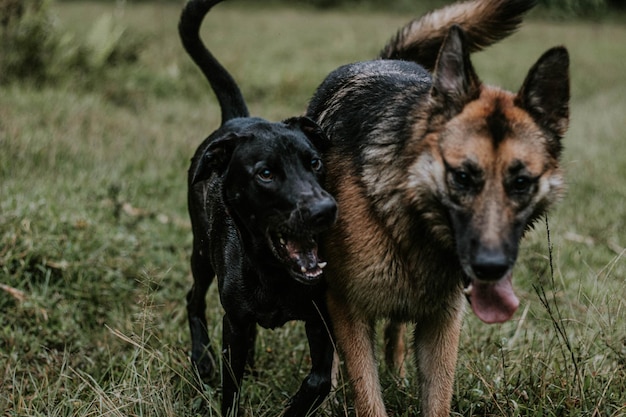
(206, 366)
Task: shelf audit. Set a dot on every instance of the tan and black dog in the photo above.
(437, 177)
(257, 206)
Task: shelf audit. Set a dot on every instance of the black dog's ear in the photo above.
(545, 94)
(312, 130)
(455, 82)
(215, 157)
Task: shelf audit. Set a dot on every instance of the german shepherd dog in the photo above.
(437, 177)
(257, 206)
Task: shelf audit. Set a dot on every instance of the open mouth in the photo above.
(299, 254)
(492, 301)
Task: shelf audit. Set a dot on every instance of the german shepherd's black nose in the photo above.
(490, 265)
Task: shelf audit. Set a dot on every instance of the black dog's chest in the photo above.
(271, 306)
(270, 318)
(273, 309)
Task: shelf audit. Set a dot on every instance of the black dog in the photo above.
(256, 207)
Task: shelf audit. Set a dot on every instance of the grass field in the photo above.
(94, 235)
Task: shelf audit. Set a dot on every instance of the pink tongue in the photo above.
(494, 302)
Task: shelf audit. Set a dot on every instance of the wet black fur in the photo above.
(247, 180)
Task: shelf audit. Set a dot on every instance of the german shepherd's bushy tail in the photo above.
(484, 22)
(226, 90)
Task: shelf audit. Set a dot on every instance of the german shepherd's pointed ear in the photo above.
(455, 82)
(545, 94)
(312, 131)
(215, 157)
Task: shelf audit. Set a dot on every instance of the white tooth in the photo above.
(322, 264)
(468, 290)
(282, 241)
(303, 269)
(314, 274)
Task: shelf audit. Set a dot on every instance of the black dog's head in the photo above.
(271, 176)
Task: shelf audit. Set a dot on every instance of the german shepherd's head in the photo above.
(493, 164)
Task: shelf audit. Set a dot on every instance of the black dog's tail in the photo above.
(484, 22)
(228, 94)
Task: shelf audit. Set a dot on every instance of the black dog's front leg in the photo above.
(202, 353)
(316, 385)
(237, 342)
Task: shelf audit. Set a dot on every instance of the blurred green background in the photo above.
(100, 112)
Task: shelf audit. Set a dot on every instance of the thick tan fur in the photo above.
(484, 22)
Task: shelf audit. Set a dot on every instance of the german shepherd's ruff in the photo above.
(256, 206)
(437, 177)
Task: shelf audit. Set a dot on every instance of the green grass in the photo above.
(94, 235)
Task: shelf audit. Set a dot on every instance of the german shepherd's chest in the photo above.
(398, 271)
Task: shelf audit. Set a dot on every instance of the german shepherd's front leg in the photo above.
(355, 337)
(436, 342)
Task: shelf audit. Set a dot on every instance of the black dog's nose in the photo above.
(323, 212)
(490, 265)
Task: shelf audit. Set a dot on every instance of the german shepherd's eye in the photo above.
(521, 184)
(462, 179)
(265, 175)
(316, 164)
(465, 178)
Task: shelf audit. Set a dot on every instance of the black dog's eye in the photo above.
(316, 164)
(265, 175)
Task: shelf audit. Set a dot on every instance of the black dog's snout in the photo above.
(323, 211)
(490, 265)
